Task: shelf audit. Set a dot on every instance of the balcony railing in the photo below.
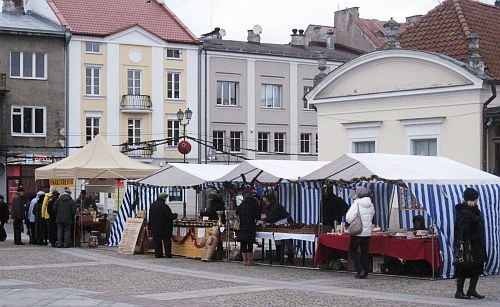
(137, 150)
(136, 103)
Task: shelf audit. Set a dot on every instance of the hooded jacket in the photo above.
(65, 208)
(366, 210)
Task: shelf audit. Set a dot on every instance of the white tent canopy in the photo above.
(417, 169)
(185, 175)
(97, 159)
(272, 170)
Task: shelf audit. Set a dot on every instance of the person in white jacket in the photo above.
(363, 203)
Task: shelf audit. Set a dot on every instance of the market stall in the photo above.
(96, 160)
(435, 186)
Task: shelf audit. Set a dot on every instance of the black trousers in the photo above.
(161, 242)
(3, 233)
(18, 228)
(362, 263)
(246, 247)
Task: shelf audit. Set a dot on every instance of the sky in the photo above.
(277, 18)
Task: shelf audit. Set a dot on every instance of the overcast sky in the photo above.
(278, 17)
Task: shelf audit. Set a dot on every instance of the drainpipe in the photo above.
(485, 127)
(206, 108)
(67, 39)
(200, 50)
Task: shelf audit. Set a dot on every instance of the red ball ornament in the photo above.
(184, 147)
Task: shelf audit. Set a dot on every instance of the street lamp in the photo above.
(184, 147)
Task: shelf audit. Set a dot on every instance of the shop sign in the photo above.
(62, 182)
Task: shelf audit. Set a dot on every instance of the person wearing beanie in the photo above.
(363, 205)
(161, 225)
(469, 224)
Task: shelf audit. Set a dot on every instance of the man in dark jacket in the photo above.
(161, 224)
(277, 214)
(215, 203)
(65, 208)
(18, 215)
(4, 217)
(333, 207)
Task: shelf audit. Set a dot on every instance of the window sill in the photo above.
(94, 97)
(29, 78)
(272, 109)
(28, 135)
(174, 100)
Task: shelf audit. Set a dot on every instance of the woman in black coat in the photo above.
(249, 213)
(161, 224)
(470, 222)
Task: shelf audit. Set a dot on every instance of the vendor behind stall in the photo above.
(87, 202)
(215, 204)
(333, 207)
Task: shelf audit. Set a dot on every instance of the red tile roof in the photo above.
(445, 30)
(374, 30)
(106, 17)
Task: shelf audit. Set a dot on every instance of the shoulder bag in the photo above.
(463, 252)
(356, 227)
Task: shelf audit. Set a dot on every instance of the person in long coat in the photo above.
(40, 234)
(161, 224)
(18, 215)
(333, 207)
(364, 204)
(52, 218)
(470, 223)
(4, 217)
(249, 213)
(65, 208)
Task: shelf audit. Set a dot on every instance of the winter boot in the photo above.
(472, 287)
(250, 261)
(460, 289)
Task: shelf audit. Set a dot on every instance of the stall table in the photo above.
(86, 224)
(274, 235)
(398, 247)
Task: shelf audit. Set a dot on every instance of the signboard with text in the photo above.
(62, 182)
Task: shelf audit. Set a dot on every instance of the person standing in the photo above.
(470, 222)
(65, 208)
(276, 214)
(52, 218)
(333, 207)
(161, 224)
(31, 218)
(249, 213)
(4, 218)
(40, 231)
(363, 203)
(18, 215)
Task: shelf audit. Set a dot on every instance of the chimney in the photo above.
(413, 19)
(497, 3)
(298, 40)
(330, 39)
(475, 62)
(13, 6)
(253, 37)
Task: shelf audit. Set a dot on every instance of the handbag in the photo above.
(356, 227)
(463, 253)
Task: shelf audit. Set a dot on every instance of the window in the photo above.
(174, 85)
(173, 132)
(133, 82)
(92, 47)
(28, 65)
(263, 142)
(424, 147)
(235, 140)
(175, 194)
(317, 144)
(92, 128)
(306, 104)
(226, 93)
(28, 121)
(364, 147)
(305, 143)
(92, 81)
(218, 140)
(279, 142)
(134, 131)
(173, 54)
(271, 96)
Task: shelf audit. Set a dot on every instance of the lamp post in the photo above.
(184, 147)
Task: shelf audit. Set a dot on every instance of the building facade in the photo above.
(32, 96)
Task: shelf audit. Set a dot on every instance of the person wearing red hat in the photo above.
(469, 225)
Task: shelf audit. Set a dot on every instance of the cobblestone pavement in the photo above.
(44, 276)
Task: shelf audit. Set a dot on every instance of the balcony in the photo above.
(136, 103)
(138, 151)
(3, 86)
